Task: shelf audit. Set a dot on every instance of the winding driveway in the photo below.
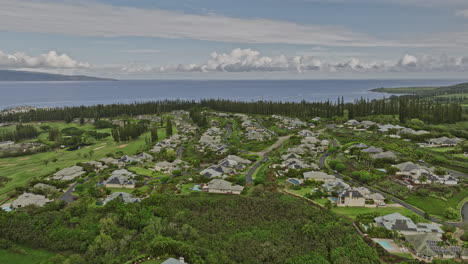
(263, 154)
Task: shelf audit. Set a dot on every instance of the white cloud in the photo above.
(47, 60)
(248, 60)
(463, 13)
(92, 19)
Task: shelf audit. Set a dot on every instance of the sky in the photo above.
(241, 39)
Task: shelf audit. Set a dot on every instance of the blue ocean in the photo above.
(53, 94)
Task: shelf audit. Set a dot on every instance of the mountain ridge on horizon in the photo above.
(28, 76)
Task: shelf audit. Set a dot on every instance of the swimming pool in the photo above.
(294, 181)
(385, 244)
(196, 188)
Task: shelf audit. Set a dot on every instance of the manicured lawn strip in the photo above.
(405, 255)
(353, 212)
(302, 191)
(27, 256)
(442, 149)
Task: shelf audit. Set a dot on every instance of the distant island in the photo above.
(26, 76)
(455, 90)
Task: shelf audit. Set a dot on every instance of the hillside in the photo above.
(25, 76)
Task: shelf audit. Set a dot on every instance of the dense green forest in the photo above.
(267, 228)
(405, 106)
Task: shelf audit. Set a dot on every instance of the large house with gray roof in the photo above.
(30, 199)
(222, 186)
(406, 226)
(120, 179)
(68, 174)
(429, 246)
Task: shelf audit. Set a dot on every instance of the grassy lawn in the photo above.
(254, 146)
(443, 149)
(187, 188)
(23, 255)
(436, 206)
(302, 191)
(143, 171)
(322, 201)
(22, 169)
(353, 212)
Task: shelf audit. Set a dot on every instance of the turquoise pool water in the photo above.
(196, 188)
(294, 181)
(386, 245)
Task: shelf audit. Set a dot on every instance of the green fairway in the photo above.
(23, 255)
(22, 169)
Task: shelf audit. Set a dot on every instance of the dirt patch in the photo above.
(122, 146)
(32, 170)
(24, 159)
(6, 165)
(98, 148)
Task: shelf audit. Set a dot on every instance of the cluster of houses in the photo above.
(18, 109)
(424, 238)
(12, 147)
(6, 144)
(231, 165)
(289, 123)
(149, 118)
(309, 145)
(253, 130)
(212, 139)
(169, 167)
(183, 124)
(414, 174)
(169, 144)
(365, 125)
(376, 153)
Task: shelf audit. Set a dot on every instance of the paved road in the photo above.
(272, 147)
(180, 151)
(248, 176)
(464, 212)
(398, 201)
(229, 131)
(457, 174)
(324, 156)
(67, 196)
